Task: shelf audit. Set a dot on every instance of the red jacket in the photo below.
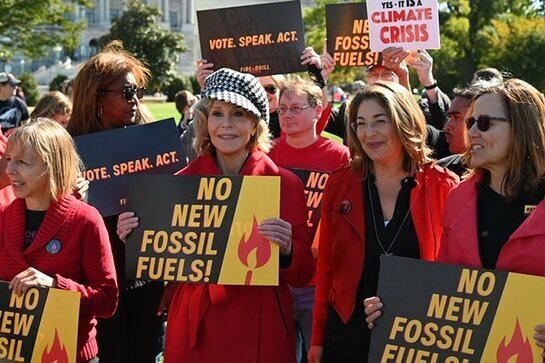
(6, 191)
(342, 236)
(83, 264)
(522, 253)
(214, 323)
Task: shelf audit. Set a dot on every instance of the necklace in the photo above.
(385, 251)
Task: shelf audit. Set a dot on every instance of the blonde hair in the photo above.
(97, 74)
(202, 143)
(407, 120)
(52, 104)
(56, 148)
(525, 107)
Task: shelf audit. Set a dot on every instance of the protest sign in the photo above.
(411, 24)
(348, 35)
(259, 39)
(314, 182)
(39, 326)
(203, 229)
(448, 313)
(110, 156)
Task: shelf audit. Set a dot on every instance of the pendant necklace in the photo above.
(385, 251)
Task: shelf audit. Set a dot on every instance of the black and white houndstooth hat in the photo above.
(239, 89)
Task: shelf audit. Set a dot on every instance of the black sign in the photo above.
(258, 39)
(110, 156)
(348, 35)
(200, 229)
(448, 313)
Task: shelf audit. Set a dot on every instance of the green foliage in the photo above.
(518, 41)
(34, 26)
(466, 38)
(30, 87)
(176, 85)
(505, 34)
(56, 83)
(141, 33)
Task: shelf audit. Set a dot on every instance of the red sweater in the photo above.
(249, 324)
(84, 263)
(323, 155)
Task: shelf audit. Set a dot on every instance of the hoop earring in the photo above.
(99, 112)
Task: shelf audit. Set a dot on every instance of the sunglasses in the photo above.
(128, 92)
(483, 121)
(271, 89)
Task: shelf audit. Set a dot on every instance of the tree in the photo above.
(518, 41)
(462, 24)
(142, 35)
(34, 26)
(30, 87)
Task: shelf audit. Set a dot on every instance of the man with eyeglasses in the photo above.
(13, 110)
(301, 147)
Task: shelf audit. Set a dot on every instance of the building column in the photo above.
(166, 12)
(100, 11)
(108, 19)
(182, 12)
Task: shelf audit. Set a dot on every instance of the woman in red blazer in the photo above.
(388, 201)
(248, 324)
(49, 238)
(495, 218)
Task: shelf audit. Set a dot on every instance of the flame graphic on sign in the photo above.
(254, 252)
(57, 353)
(518, 347)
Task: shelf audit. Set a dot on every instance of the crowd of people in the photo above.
(434, 179)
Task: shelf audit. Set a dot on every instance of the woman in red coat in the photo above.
(495, 219)
(49, 238)
(246, 324)
(388, 201)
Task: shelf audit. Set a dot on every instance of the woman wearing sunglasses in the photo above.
(388, 201)
(495, 218)
(106, 95)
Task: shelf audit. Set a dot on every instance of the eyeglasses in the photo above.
(128, 92)
(271, 89)
(295, 110)
(362, 125)
(483, 121)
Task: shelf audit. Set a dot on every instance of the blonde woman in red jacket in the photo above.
(245, 324)
(388, 201)
(48, 238)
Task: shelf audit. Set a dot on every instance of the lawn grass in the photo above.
(162, 110)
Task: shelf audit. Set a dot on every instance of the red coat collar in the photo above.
(257, 163)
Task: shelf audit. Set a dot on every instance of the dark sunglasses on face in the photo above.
(483, 121)
(128, 92)
(271, 89)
